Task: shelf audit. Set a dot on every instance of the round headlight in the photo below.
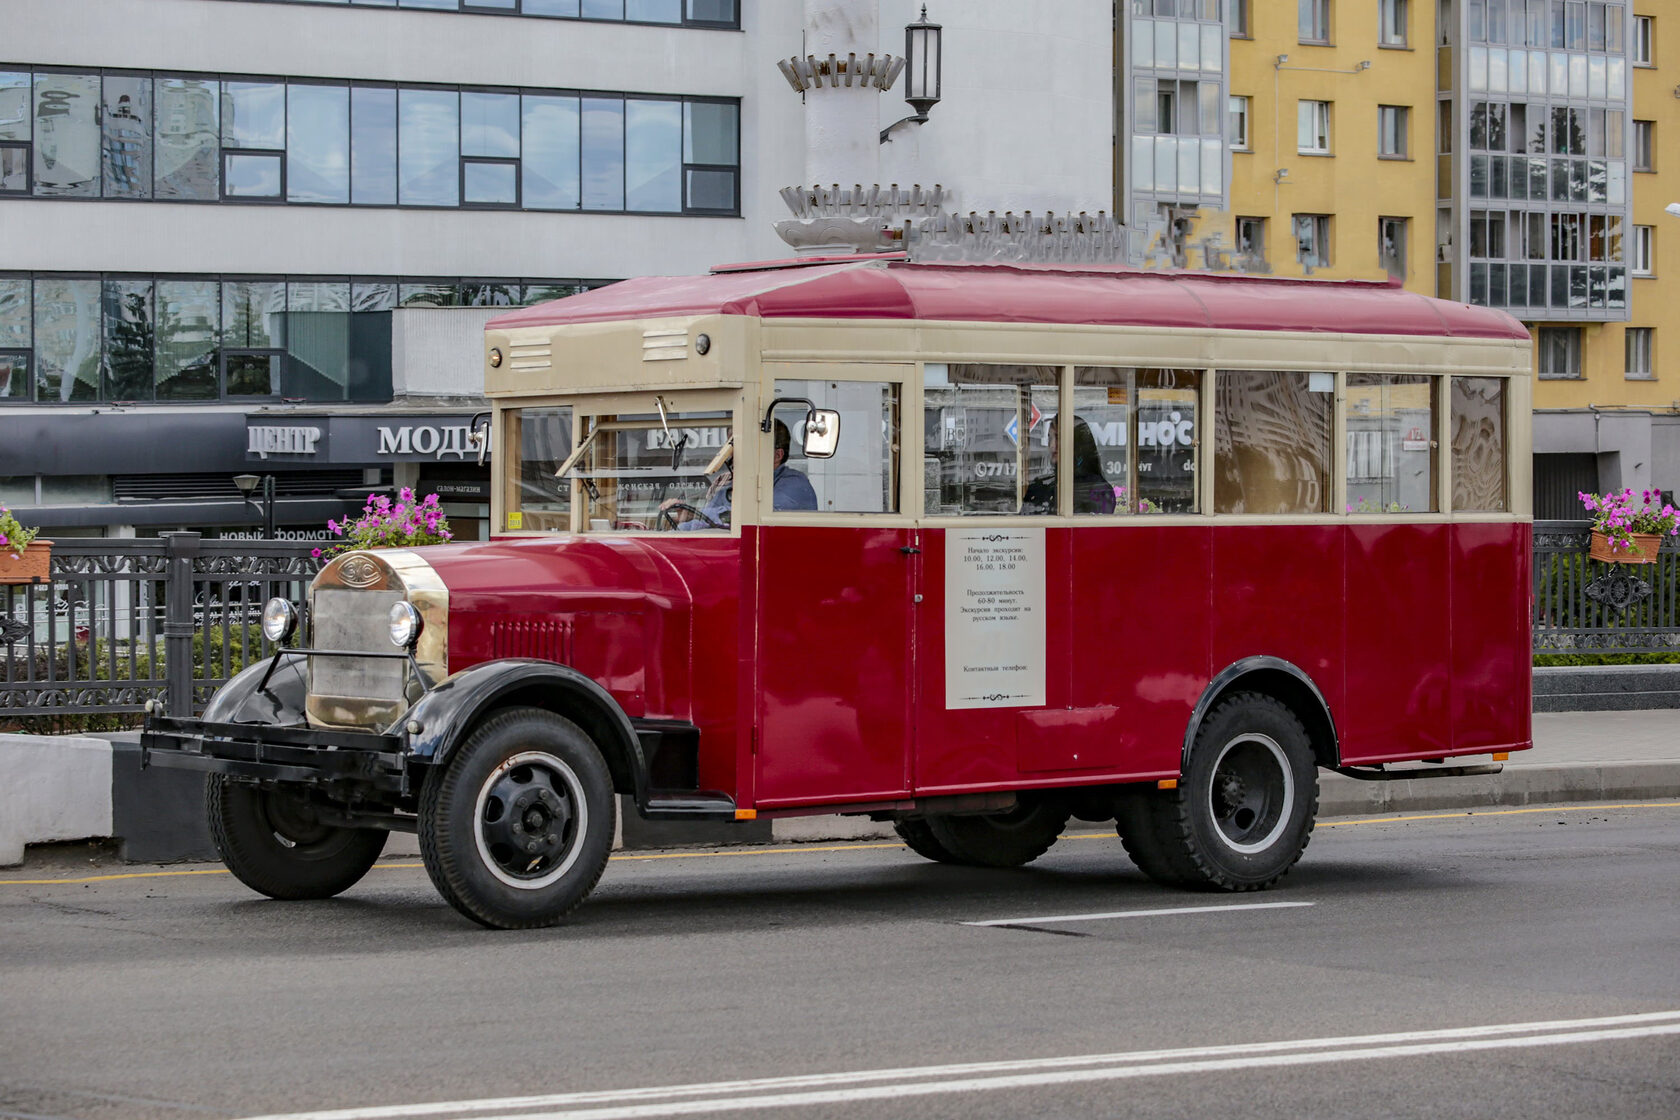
(279, 620)
(405, 625)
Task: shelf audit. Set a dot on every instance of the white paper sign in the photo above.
(994, 618)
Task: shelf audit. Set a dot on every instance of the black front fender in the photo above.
(279, 702)
(448, 713)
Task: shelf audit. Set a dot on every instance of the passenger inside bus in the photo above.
(1092, 492)
(793, 491)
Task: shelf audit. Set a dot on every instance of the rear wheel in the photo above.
(1243, 813)
(275, 843)
(919, 838)
(516, 828)
(1000, 839)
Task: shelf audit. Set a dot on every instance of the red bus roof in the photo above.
(885, 288)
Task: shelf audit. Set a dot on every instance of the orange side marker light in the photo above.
(1167, 783)
(1501, 756)
(746, 814)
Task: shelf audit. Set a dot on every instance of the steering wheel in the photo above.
(666, 518)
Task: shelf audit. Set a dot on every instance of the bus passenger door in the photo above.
(834, 640)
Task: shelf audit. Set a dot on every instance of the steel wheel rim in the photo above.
(1251, 794)
(531, 798)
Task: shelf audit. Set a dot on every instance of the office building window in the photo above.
(1644, 145)
(676, 13)
(1640, 342)
(1391, 246)
(1313, 127)
(1393, 18)
(66, 339)
(1394, 125)
(1315, 21)
(123, 135)
(1312, 239)
(1644, 244)
(1560, 352)
(1644, 41)
(1237, 120)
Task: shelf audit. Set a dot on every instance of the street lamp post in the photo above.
(249, 482)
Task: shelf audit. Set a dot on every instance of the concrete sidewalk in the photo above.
(76, 788)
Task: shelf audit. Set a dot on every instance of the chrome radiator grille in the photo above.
(356, 690)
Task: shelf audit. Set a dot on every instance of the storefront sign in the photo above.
(263, 440)
(994, 618)
(363, 439)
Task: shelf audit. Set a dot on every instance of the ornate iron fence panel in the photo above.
(1586, 606)
(120, 622)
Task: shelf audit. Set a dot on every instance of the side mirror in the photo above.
(822, 433)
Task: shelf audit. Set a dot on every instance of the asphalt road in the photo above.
(1516, 963)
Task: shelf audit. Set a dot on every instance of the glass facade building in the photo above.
(68, 338)
(1533, 162)
(1174, 97)
(117, 134)
(682, 13)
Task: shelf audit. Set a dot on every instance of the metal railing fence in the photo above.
(1586, 606)
(174, 617)
(120, 622)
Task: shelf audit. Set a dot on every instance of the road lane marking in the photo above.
(851, 1086)
(1499, 813)
(1153, 913)
(796, 849)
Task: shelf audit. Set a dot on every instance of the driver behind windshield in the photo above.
(793, 491)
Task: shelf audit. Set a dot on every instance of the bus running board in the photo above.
(1378, 774)
(676, 804)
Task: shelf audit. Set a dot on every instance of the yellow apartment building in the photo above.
(1508, 153)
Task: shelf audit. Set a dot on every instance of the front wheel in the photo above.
(516, 828)
(1244, 811)
(274, 843)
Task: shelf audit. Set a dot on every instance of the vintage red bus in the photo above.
(797, 538)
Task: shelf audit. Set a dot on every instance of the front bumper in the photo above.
(349, 760)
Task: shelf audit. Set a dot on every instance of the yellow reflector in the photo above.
(1167, 783)
(1501, 756)
(746, 814)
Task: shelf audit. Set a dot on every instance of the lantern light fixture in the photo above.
(923, 70)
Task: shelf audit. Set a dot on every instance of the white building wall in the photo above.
(1027, 121)
(408, 46)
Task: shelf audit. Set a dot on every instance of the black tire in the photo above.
(273, 843)
(919, 838)
(1244, 811)
(1000, 839)
(531, 866)
(1134, 820)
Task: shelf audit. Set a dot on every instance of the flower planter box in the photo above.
(30, 567)
(1644, 550)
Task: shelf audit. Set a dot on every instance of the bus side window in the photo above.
(1271, 448)
(1478, 444)
(534, 498)
(986, 438)
(862, 475)
(1391, 451)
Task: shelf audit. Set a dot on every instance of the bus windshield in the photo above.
(645, 471)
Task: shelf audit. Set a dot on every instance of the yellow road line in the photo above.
(797, 849)
(1501, 813)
